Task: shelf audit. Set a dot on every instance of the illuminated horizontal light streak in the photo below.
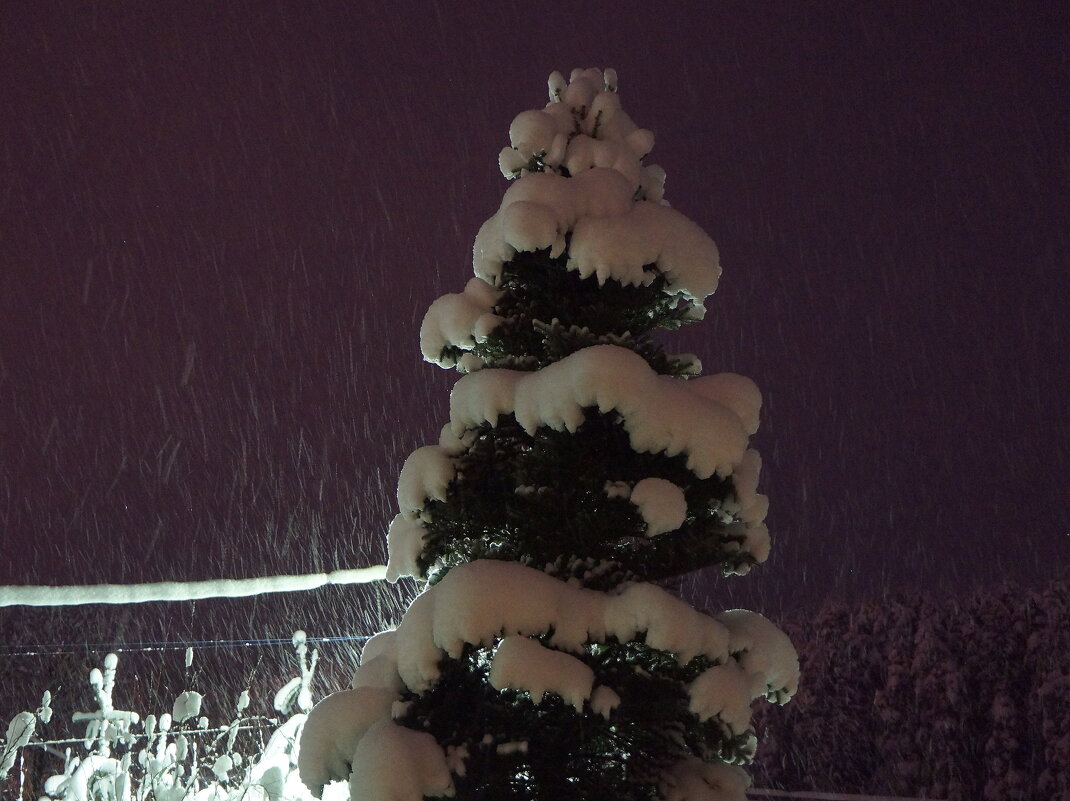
(182, 590)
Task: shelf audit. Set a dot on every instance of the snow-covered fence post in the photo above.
(581, 464)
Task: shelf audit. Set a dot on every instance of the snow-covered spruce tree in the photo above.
(581, 464)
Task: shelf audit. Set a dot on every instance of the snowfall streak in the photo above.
(182, 591)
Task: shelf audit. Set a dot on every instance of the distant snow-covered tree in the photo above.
(581, 465)
(1048, 655)
(901, 761)
(941, 695)
(970, 698)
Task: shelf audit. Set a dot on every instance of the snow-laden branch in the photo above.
(183, 590)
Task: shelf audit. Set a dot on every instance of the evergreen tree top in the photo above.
(582, 204)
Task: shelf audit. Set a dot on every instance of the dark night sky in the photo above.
(221, 224)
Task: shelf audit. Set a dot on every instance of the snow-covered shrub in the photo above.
(178, 754)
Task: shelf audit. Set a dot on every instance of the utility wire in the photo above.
(60, 649)
(268, 724)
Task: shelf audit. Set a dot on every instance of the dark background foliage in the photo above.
(966, 699)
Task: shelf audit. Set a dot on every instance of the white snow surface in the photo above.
(537, 211)
(764, 652)
(332, 731)
(425, 476)
(19, 731)
(661, 503)
(378, 663)
(661, 414)
(75, 787)
(405, 541)
(694, 780)
(649, 233)
(750, 507)
(462, 320)
(745, 478)
(611, 203)
(521, 663)
(604, 700)
(612, 237)
(583, 127)
(735, 391)
(484, 600)
(393, 763)
(724, 691)
(187, 705)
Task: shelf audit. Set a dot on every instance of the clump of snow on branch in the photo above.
(296, 695)
(604, 700)
(426, 474)
(405, 541)
(661, 503)
(461, 320)
(524, 664)
(334, 728)
(19, 732)
(749, 505)
(393, 762)
(582, 127)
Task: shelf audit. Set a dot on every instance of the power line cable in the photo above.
(60, 649)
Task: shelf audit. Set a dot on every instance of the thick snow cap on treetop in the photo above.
(610, 202)
(581, 185)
